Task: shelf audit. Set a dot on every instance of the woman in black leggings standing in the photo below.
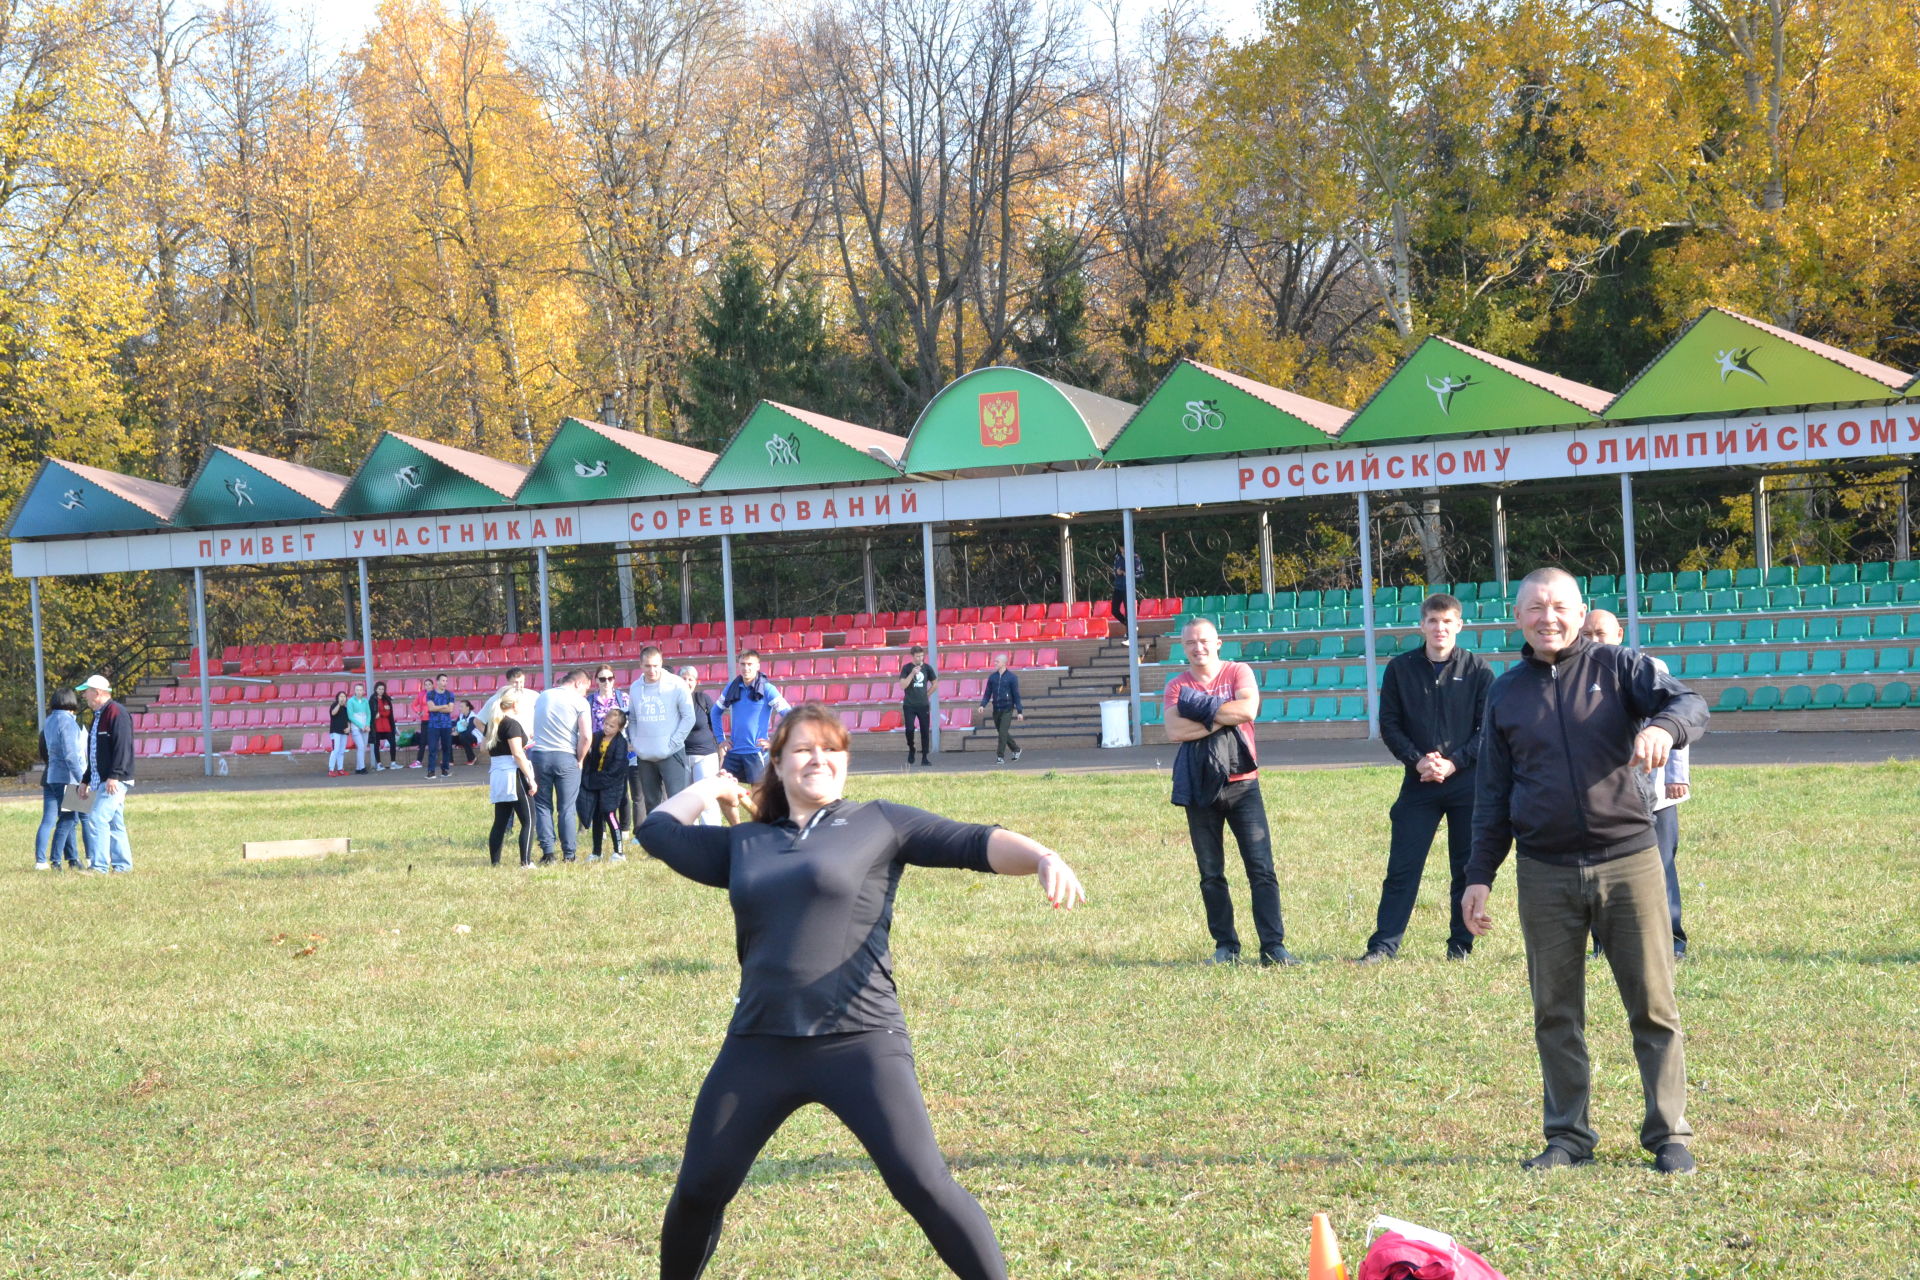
(812, 881)
(509, 778)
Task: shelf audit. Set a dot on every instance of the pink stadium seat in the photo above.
(238, 746)
(1046, 658)
(889, 721)
(835, 693)
(1079, 609)
(276, 742)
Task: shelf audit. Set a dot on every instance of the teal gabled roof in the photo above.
(234, 486)
(779, 445)
(404, 474)
(592, 462)
(71, 499)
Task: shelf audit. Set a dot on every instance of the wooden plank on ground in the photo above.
(257, 850)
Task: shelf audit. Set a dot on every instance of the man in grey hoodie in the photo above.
(657, 729)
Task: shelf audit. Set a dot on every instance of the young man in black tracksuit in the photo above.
(1431, 699)
(1563, 738)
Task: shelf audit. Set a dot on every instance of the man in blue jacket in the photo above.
(1002, 695)
(1565, 732)
(743, 719)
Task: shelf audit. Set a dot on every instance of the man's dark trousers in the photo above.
(923, 716)
(1241, 808)
(1416, 817)
(1666, 834)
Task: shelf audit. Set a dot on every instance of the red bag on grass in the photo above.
(1403, 1251)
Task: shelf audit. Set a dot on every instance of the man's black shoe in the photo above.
(1374, 957)
(1458, 953)
(1554, 1158)
(546, 859)
(1224, 955)
(923, 760)
(1278, 957)
(1673, 1157)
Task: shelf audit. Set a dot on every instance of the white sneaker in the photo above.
(1016, 755)
(42, 866)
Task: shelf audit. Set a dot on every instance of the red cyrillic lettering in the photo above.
(1816, 435)
(706, 517)
(1320, 472)
(777, 512)
(750, 512)
(857, 506)
(1727, 441)
(1343, 471)
(1445, 463)
(1246, 477)
(1500, 457)
(1577, 453)
(1637, 449)
(882, 504)
(828, 511)
(1472, 460)
(1697, 444)
(1847, 433)
(1370, 468)
(685, 517)
(660, 519)
(1296, 476)
(563, 526)
(1609, 451)
(802, 509)
(909, 501)
(1397, 466)
(1667, 446)
(513, 530)
(1884, 431)
(1913, 429)
(286, 544)
(206, 547)
(1787, 438)
(636, 523)
(490, 529)
(1270, 477)
(1756, 439)
(539, 530)
(1421, 462)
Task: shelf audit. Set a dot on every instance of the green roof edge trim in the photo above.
(233, 486)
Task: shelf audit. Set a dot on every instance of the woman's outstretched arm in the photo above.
(1012, 854)
(672, 832)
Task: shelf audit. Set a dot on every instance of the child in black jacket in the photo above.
(603, 782)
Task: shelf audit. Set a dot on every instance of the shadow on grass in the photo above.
(1788, 955)
(306, 869)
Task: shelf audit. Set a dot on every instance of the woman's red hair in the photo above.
(770, 794)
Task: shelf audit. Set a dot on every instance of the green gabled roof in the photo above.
(1446, 388)
(1725, 362)
(234, 486)
(69, 499)
(1198, 409)
(404, 474)
(1000, 417)
(592, 462)
(779, 445)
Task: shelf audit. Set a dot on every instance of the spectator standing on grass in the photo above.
(1565, 732)
(1210, 710)
(607, 695)
(603, 783)
(466, 729)
(339, 734)
(516, 681)
(383, 727)
(917, 679)
(1431, 701)
(440, 703)
(418, 709)
(359, 724)
(703, 749)
(812, 881)
(1002, 696)
(109, 775)
(63, 745)
(561, 732)
(661, 720)
(509, 777)
(743, 718)
(1669, 788)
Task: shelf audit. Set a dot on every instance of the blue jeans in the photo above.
(439, 747)
(107, 831)
(63, 826)
(556, 791)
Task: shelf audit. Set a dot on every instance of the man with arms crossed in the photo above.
(1431, 699)
(1565, 731)
(1209, 698)
(1672, 785)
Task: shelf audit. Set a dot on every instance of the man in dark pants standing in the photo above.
(1210, 710)
(1564, 735)
(916, 683)
(1002, 694)
(1430, 704)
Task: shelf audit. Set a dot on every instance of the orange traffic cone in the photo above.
(1323, 1252)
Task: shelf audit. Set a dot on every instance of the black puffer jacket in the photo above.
(1421, 711)
(1556, 741)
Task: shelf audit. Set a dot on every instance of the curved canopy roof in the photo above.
(592, 462)
(1198, 409)
(68, 498)
(779, 445)
(1725, 362)
(1446, 388)
(235, 486)
(404, 474)
(1001, 417)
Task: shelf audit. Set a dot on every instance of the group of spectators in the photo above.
(84, 789)
(442, 723)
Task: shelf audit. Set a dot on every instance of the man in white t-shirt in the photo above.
(560, 734)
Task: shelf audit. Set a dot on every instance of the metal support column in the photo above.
(933, 642)
(206, 685)
(366, 629)
(1066, 562)
(40, 654)
(1366, 614)
(686, 587)
(546, 620)
(1133, 624)
(511, 589)
(866, 575)
(1762, 527)
(1629, 562)
(623, 570)
(726, 600)
(1903, 532)
(1266, 554)
(1500, 540)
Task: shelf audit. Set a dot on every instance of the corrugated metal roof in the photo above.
(681, 460)
(1884, 374)
(504, 478)
(1592, 399)
(1103, 415)
(156, 499)
(851, 434)
(1317, 414)
(323, 487)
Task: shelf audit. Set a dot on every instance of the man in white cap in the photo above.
(109, 774)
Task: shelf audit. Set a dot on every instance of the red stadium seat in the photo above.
(889, 720)
(276, 743)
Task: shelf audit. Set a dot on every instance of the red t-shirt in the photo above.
(1226, 683)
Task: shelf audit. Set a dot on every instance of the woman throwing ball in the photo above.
(812, 880)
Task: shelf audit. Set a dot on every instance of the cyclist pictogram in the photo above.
(1202, 414)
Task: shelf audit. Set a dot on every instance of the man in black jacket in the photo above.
(1431, 699)
(1563, 735)
(109, 774)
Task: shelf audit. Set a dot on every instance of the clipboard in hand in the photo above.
(74, 801)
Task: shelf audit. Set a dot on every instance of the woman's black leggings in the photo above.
(505, 812)
(384, 736)
(864, 1077)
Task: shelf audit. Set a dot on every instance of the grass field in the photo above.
(314, 1069)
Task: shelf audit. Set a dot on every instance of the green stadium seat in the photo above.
(1827, 697)
(1765, 698)
(1726, 632)
(1850, 596)
(1743, 578)
(1602, 584)
(1854, 626)
(1779, 598)
(1729, 666)
(1913, 624)
(1823, 629)
(1329, 708)
(1353, 675)
(1717, 579)
(1465, 591)
(1385, 597)
(1876, 571)
(1859, 696)
(1407, 643)
(1826, 662)
(1905, 571)
(1841, 574)
(1692, 602)
(1300, 677)
(1858, 661)
(1811, 575)
(1306, 647)
(1229, 651)
(1880, 593)
(1272, 711)
(1796, 662)
(1260, 620)
(1781, 575)
(1282, 600)
(1663, 633)
(1752, 598)
(1696, 633)
(1758, 631)
(1886, 626)
(1176, 656)
(1353, 707)
(1732, 698)
(1273, 679)
(1723, 601)
(1331, 646)
(1340, 598)
(1230, 621)
(1894, 659)
(1492, 591)
(1798, 697)
(1326, 678)
(1696, 666)
(1299, 709)
(1893, 695)
(1307, 600)
(1816, 597)
(1207, 604)
(1910, 593)
(1356, 645)
(1765, 663)
(1151, 711)
(1789, 630)
(1656, 582)
(1688, 580)
(1468, 639)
